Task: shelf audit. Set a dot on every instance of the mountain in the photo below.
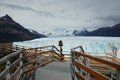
(11, 31)
(67, 31)
(113, 31)
(38, 35)
(58, 31)
(80, 33)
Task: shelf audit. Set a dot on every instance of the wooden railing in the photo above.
(22, 63)
(12, 69)
(82, 67)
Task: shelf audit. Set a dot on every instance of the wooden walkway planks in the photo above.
(54, 71)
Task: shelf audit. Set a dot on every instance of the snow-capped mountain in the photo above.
(113, 31)
(65, 31)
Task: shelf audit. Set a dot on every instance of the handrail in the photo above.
(4, 59)
(44, 47)
(60, 55)
(114, 65)
(91, 71)
(76, 47)
(40, 47)
(78, 67)
(29, 60)
(7, 71)
(56, 48)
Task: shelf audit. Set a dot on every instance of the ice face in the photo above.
(90, 44)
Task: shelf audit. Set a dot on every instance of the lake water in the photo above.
(90, 44)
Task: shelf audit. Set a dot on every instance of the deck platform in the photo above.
(54, 71)
(48, 63)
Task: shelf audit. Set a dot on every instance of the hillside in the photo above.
(11, 31)
(113, 31)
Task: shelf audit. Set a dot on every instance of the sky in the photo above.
(45, 15)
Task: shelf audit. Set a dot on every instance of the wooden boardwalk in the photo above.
(54, 71)
(46, 63)
(92, 66)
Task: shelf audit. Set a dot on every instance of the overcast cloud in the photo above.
(44, 15)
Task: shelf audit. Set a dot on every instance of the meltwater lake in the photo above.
(90, 44)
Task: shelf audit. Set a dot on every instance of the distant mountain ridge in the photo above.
(60, 32)
(113, 31)
(10, 31)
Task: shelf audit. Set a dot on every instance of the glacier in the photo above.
(90, 44)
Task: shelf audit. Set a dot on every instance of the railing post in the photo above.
(8, 76)
(74, 57)
(33, 75)
(82, 50)
(111, 72)
(118, 74)
(21, 64)
(36, 53)
(37, 57)
(52, 53)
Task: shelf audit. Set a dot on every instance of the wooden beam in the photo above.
(115, 65)
(91, 71)
(6, 58)
(79, 76)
